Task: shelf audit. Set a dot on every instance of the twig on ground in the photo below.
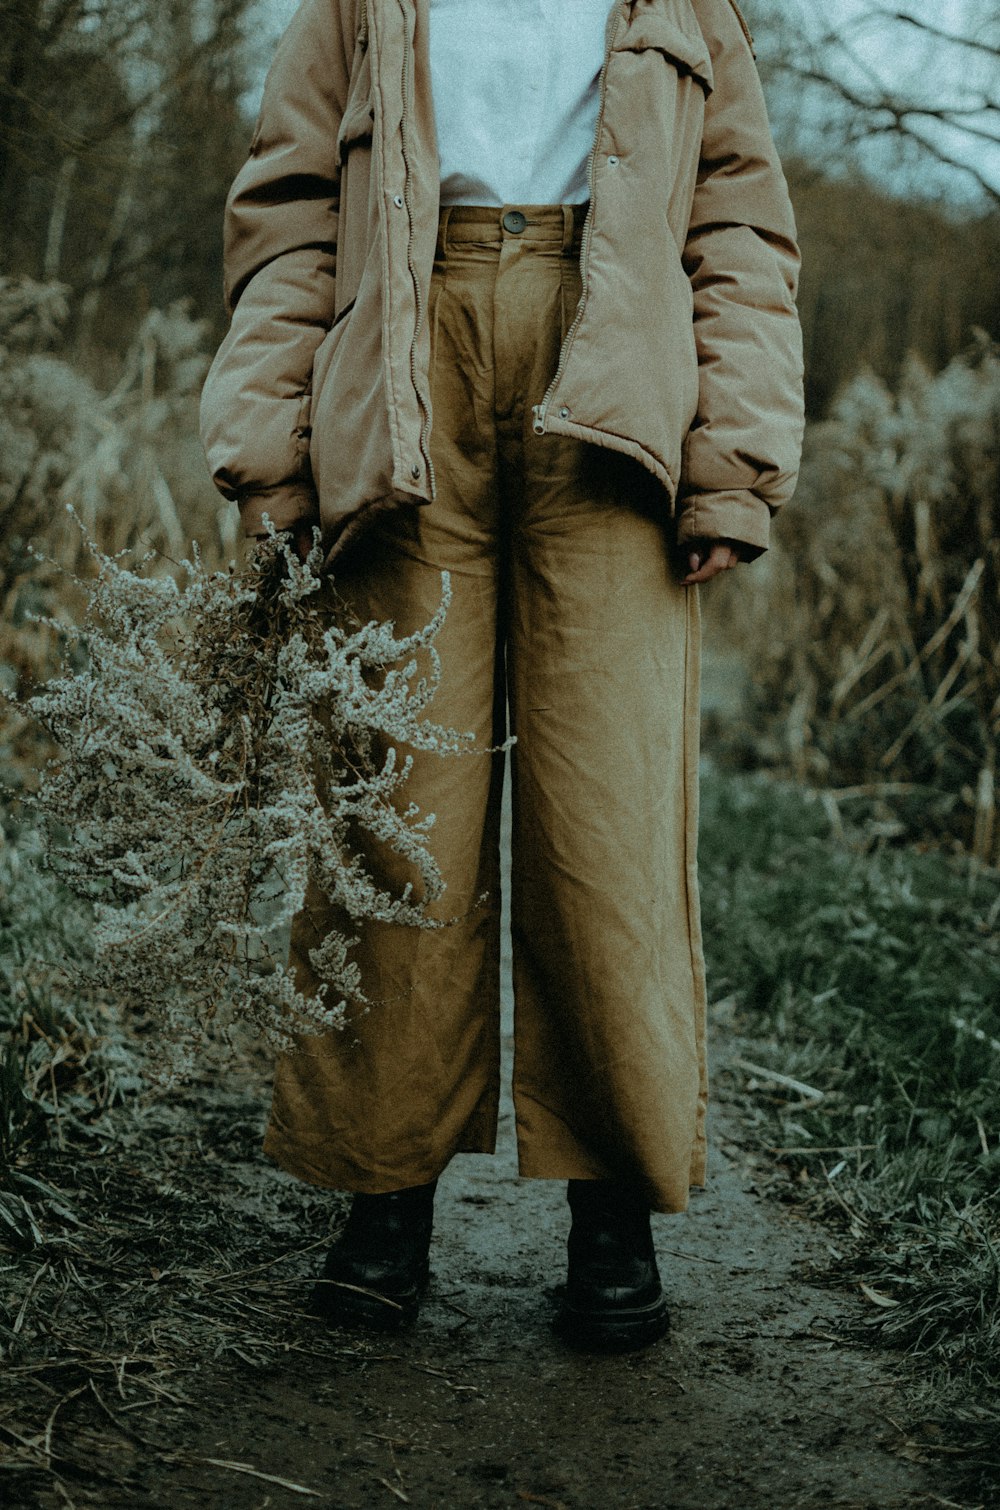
(392, 1488)
(697, 1258)
(36, 1278)
(254, 1473)
(807, 1092)
(50, 1423)
(221, 1279)
(806, 1148)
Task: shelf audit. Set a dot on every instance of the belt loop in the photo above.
(569, 225)
(442, 240)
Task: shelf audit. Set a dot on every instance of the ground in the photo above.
(756, 1401)
(753, 1401)
(168, 1358)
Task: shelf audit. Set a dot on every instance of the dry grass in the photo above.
(875, 622)
(869, 986)
(127, 459)
(158, 1243)
(151, 1236)
(141, 1233)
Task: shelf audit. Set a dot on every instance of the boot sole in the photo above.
(613, 1331)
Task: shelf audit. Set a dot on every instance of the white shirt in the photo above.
(515, 85)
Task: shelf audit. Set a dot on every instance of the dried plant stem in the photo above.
(227, 743)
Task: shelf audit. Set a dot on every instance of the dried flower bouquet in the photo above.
(219, 742)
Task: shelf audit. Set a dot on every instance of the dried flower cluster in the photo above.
(219, 742)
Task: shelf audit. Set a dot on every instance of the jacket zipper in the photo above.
(418, 298)
(538, 410)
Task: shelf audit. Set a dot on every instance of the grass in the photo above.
(64, 1062)
(125, 1216)
(164, 1246)
(872, 976)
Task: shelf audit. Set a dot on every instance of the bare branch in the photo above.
(989, 48)
(898, 119)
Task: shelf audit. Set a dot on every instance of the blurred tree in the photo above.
(200, 141)
(62, 101)
(122, 125)
(884, 276)
(120, 131)
(889, 123)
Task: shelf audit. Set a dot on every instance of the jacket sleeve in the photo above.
(741, 456)
(280, 264)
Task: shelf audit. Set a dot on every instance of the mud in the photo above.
(755, 1400)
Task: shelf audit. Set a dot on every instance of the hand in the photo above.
(300, 534)
(706, 558)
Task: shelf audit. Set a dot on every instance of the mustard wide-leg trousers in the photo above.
(567, 609)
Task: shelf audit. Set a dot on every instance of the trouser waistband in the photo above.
(561, 224)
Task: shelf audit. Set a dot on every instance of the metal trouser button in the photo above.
(515, 222)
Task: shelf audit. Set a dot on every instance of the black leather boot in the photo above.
(613, 1299)
(377, 1270)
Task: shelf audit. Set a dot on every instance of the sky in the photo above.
(871, 53)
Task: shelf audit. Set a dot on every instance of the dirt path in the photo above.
(755, 1402)
(752, 1402)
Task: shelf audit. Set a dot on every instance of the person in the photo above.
(512, 291)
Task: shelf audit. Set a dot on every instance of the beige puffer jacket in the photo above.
(685, 352)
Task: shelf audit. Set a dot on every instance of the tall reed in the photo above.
(876, 622)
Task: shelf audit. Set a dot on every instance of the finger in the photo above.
(723, 558)
(715, 564)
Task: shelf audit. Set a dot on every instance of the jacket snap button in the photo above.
(612, 161)
(414, 470)
(397, 200)
(514, 222)
(564, 412)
